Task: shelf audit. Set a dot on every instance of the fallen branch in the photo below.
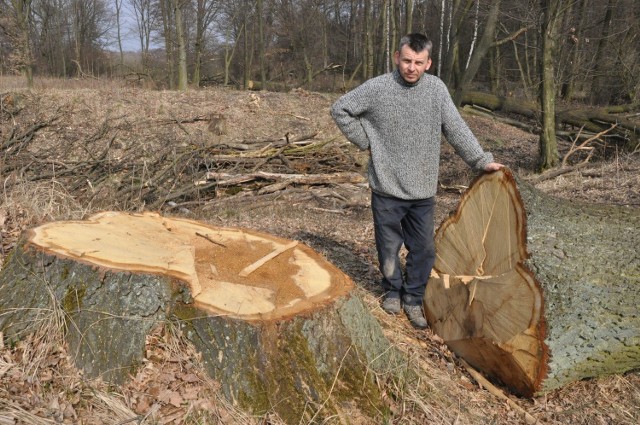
(210, 239)
(483, 382)
(583, 145)
(551, 174)
(224, 179)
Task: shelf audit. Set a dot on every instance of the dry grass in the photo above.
(38, 383)
(11, 83)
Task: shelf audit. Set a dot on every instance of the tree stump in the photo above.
(278, 326)
(534, 291)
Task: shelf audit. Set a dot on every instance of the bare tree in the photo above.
(143, 13)
(597, 86)
(576, 40)
(367, 42)
(476, 25)
(18, 26)
(442, 33)
(549, 29)
(230, 25)
(451, 69)
(182, 43)
(206, 13)
(386, 47)
(90, 24)
(297, 40)
(246, 57)
(261, 49)
(478, 54)
(118, 6)
(408, 16)
(168, 23)
(50, 36)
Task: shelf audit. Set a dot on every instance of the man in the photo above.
(400, 117)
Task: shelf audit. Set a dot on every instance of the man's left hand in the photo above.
(493, 166)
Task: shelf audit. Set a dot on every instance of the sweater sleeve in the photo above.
(458, 134)
(346, 112)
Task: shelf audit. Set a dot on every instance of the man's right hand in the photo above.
(493, 166)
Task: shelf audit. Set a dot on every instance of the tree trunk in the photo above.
(367, 69)
(277, 325)
(229, 52)
(167, 26)
(182, 46)
(22, 11)
(442, 35)
(198, 46)
(385, 47)
(408, 16)
(476, 58)
(118, 6)
(599, 93)
(534, 291)
(548, 143)
(452, 69)
(574, 78)
(261, 48)
(246, 62)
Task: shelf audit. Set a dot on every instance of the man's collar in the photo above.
(398, 78)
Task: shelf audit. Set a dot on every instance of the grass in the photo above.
(11, 83)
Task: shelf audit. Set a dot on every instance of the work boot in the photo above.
(391, 305)
(415, 316)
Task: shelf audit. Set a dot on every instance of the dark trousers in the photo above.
(397, 221)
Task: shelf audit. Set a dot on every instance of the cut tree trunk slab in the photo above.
(278, 326)
(535, 291)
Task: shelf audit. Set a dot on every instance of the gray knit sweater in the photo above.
(402, 125)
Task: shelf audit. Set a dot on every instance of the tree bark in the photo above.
(598, 91)
(534, 291)
(408, 16)
(22, 16)
(169, 42)
(287, 334)
(548, 143)
(451, 70)
(479, 53)
(367, 41)
(182, 45)
(261, 48)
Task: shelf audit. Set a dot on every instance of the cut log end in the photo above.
(534, 291)
(480, 299)
(494, 323)
(285, 279)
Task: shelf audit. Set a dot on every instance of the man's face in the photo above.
(411, 64)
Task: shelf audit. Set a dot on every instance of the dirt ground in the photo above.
(38, 383)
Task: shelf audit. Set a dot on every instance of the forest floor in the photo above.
(70, 152)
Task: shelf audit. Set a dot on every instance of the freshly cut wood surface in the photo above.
(251, 267)
(480, 298)
(288, 284)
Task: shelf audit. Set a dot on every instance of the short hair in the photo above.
(417, 42)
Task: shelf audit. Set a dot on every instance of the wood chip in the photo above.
(252, 267)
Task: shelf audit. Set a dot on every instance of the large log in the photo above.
(278, 326)
(592, 120)
(535, 291)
